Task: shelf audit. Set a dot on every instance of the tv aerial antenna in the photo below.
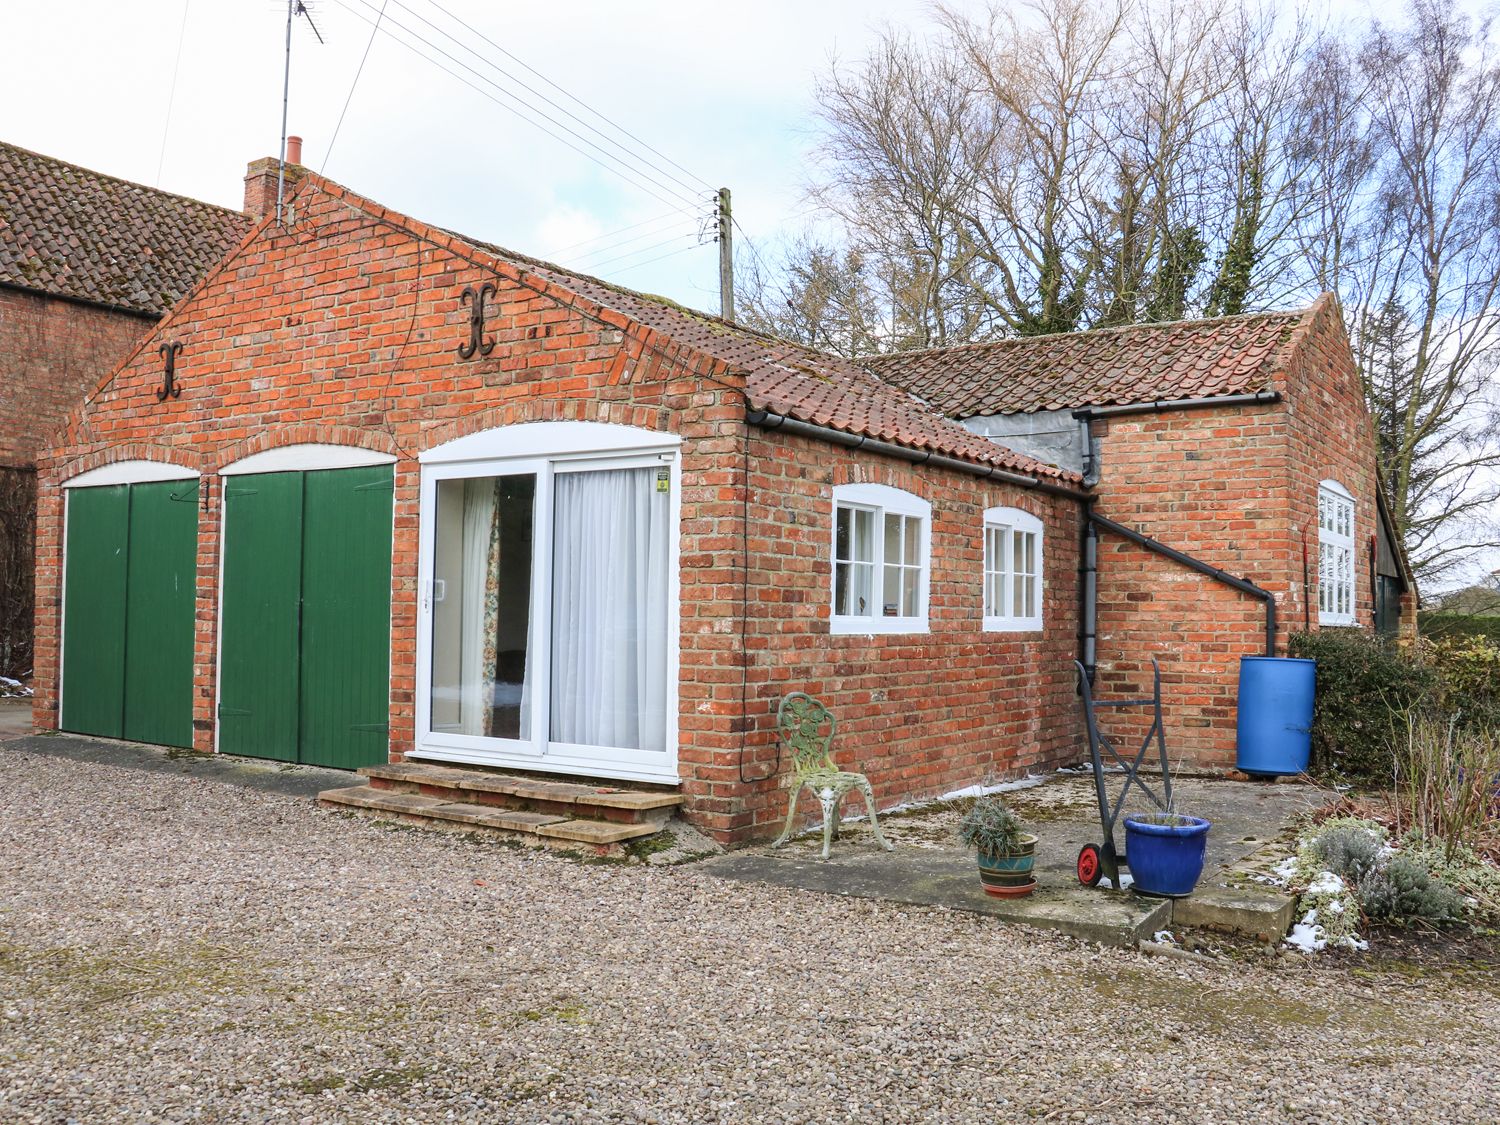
(294, 9)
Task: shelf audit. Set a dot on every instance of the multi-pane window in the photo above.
(879, 560)
(1335, 554)
(1012, 570)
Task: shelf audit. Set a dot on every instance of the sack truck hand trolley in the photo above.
(1101, 861)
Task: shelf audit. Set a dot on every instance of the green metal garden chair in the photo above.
(799, 723)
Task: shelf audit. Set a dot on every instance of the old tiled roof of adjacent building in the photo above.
(70, 232)
(1104, 367)
(797, 382)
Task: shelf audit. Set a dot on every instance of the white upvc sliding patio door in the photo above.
(548, 608)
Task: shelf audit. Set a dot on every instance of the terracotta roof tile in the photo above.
(786, 378)
(70, 232)
(1104, 367)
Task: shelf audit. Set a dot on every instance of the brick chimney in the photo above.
(260, 180)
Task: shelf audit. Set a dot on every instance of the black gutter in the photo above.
(769, 421)
(1156, 407)
(1244, 585)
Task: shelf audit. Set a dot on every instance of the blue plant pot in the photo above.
(1166, 859)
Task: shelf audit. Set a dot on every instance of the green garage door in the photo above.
(130, 569)
(304, 667)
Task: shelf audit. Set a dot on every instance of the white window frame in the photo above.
(546, 449)
(1337, 582)
(882, 500)
(1007, 521)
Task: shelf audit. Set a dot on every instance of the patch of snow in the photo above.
(1126, 880)
(1307, 935)
(1027, 782)
(1326, 883)
(1164, 937)
(8, 682)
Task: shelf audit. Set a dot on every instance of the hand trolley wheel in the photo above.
(1090, 868)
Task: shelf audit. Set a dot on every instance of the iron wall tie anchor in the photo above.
(476, 342)
(170, 388)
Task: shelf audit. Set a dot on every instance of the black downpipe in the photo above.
(1088, 597)
(1241, 584)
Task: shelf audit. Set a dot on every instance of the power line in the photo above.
(522, 113)
(534, 92)
(571, 96)
(358, 71)
(622, 230)
(648, 261)
(626, 242)
(643, 250)
(172, 94)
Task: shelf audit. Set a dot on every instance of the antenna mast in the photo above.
(294, 8)
(286, 88)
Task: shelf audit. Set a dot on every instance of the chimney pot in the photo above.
(294, 150)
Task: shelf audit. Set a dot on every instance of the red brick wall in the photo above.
(921, 714)
(1238, 488)
(51, 351)
(344, 330)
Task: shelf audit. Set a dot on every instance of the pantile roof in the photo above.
(1104, 367)
(785, 378)
(71, 232)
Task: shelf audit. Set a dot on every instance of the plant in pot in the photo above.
(1167, 851)
(1005, 849)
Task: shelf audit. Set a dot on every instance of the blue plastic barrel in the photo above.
(1276, 712)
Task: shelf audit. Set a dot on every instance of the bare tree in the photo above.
(1409, 234)
(1075, 163)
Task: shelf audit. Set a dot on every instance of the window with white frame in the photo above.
(1335, 554)
(1012, 570)
(880, 553)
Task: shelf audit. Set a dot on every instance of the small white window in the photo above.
(1335, 554)
(1012, 570)
(880, 555)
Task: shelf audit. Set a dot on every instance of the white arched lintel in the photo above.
(549, 439)
(131, 472)
(306, 457)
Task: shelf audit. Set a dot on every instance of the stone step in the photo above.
(606, 802)
(438, 812)
(1265, 915)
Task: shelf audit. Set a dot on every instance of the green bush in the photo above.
(1350, 851)
(1468, 678)
(1436, 625)
(1405, 891)
(1365, 688)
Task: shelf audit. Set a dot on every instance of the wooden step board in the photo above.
(563, 814)
(524, 791)
(414, 808)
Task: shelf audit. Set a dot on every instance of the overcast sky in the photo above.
(724, 91)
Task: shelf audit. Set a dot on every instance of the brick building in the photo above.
(1242, 442)
(88, 263)
(411, 496)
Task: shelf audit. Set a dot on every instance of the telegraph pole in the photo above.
(726, 257)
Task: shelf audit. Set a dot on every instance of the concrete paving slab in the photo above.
(928, 868)
(951, 880)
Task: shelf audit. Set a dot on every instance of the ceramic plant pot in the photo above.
(1166, 859)
(1008, 875)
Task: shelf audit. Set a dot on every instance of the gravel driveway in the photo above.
(174, 949)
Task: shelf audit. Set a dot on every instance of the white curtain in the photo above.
(609, 609)
(476, 691)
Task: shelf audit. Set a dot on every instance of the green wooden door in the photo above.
(262, 588)
(96, 556)
(160, 612)
(129, 590)
(346, 616)
(305, 649)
